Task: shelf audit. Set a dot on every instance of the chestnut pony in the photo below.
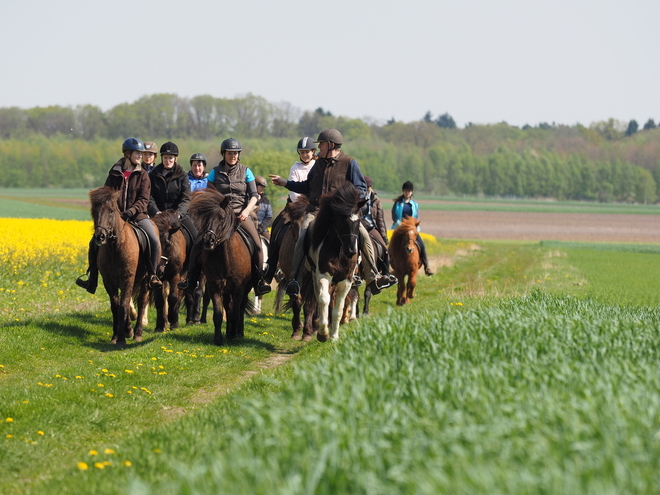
(226, 261)
(405, 259)
(168, 299)
(120, 263)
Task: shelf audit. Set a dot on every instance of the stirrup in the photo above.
(86, 284)
(382, 282)
(293, 288)
(357, 281)
(183, 285)
(393, 279)
(155, 283)
(262, 288)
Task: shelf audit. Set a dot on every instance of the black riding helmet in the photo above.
(198, 157)
(169, 148)
(407, 186)
(230, 144)
(306, 143)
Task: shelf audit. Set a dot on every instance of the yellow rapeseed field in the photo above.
(27, 242)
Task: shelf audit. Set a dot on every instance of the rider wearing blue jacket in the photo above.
(405, 206)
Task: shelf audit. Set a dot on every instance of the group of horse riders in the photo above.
(147, 190)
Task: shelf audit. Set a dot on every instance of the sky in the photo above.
(481, 61)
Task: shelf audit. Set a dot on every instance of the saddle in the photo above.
(143, 240)
(190, 240)
(247, 238)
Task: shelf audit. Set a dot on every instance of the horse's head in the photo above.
(105, 213)
(211, 213)
(343, 206)
(409, 233)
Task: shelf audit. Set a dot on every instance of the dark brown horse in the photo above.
(120, 263)
(175, 266)
(331, 245)
(226, 261)
(294, 213)
(405, 259)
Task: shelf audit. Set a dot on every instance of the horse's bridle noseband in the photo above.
(109, 232)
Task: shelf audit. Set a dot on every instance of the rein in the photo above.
(110, 232)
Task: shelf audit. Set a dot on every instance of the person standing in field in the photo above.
(129, 177)
(149, 156)
(332, 169)
(197, 175)
(170, 188)
(236, 182)
(404, 206)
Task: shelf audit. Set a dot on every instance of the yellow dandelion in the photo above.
(79, 377)
(99, 465)
(93, 452)
(157, 451)
(10, 436)
(107, 463)
(126, 463)
(107, 394)
(83, 466)
(104, 370)
(154, 359)
(100, 385)
(109, 451)
(40, 432)
(9, 420)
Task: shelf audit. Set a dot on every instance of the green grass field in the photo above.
(518, 368)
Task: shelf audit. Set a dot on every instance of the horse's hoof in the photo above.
(114, 340)
(129, 334)
(296, 335)
(322, 337)
(307, 337)
(159, 330)
(137, 338)
(121, 343)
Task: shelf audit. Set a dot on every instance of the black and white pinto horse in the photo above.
(331, 246)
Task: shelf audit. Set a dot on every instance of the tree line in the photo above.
(75, 146)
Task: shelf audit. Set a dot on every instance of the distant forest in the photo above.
(606, 161)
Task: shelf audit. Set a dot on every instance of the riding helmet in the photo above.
(407, 186)
(230, 144)
(132, 144)
(306, 143)
(169, 148)
(331, 135)
(260, 181)
(150, 147)
(367, 179)
(198, 157)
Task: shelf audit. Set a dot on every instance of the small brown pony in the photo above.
(405, 259)
(294, 213)
(226, 261)
(120, 263)
(173, 247)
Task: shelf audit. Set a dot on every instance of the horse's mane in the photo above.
(100, 196)
(167, 222)
(399, 238)
(210, 210)
(295, 211)
(343, 202)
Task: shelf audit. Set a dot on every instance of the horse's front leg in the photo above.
(296, 323)
(143, 304)
(322, 287)
(401, 290)
(173, 304)
(114, 308)
(218, 339)
(412, 283)
(367, 300)
(124, 316)
(341, 291)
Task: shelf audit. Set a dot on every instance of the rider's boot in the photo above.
(92, 281)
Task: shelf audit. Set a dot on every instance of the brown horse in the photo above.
(405, 259)
(294, 213)
(331, 245)
(168, 299)
(120, 263)
(226, 261)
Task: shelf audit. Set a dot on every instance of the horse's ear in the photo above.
(362, 202)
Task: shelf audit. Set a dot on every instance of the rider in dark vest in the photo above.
(236, 181)
(332, 169)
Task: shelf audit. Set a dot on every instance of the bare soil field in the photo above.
(480, 225)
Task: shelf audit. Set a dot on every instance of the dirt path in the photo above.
(541, 226)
